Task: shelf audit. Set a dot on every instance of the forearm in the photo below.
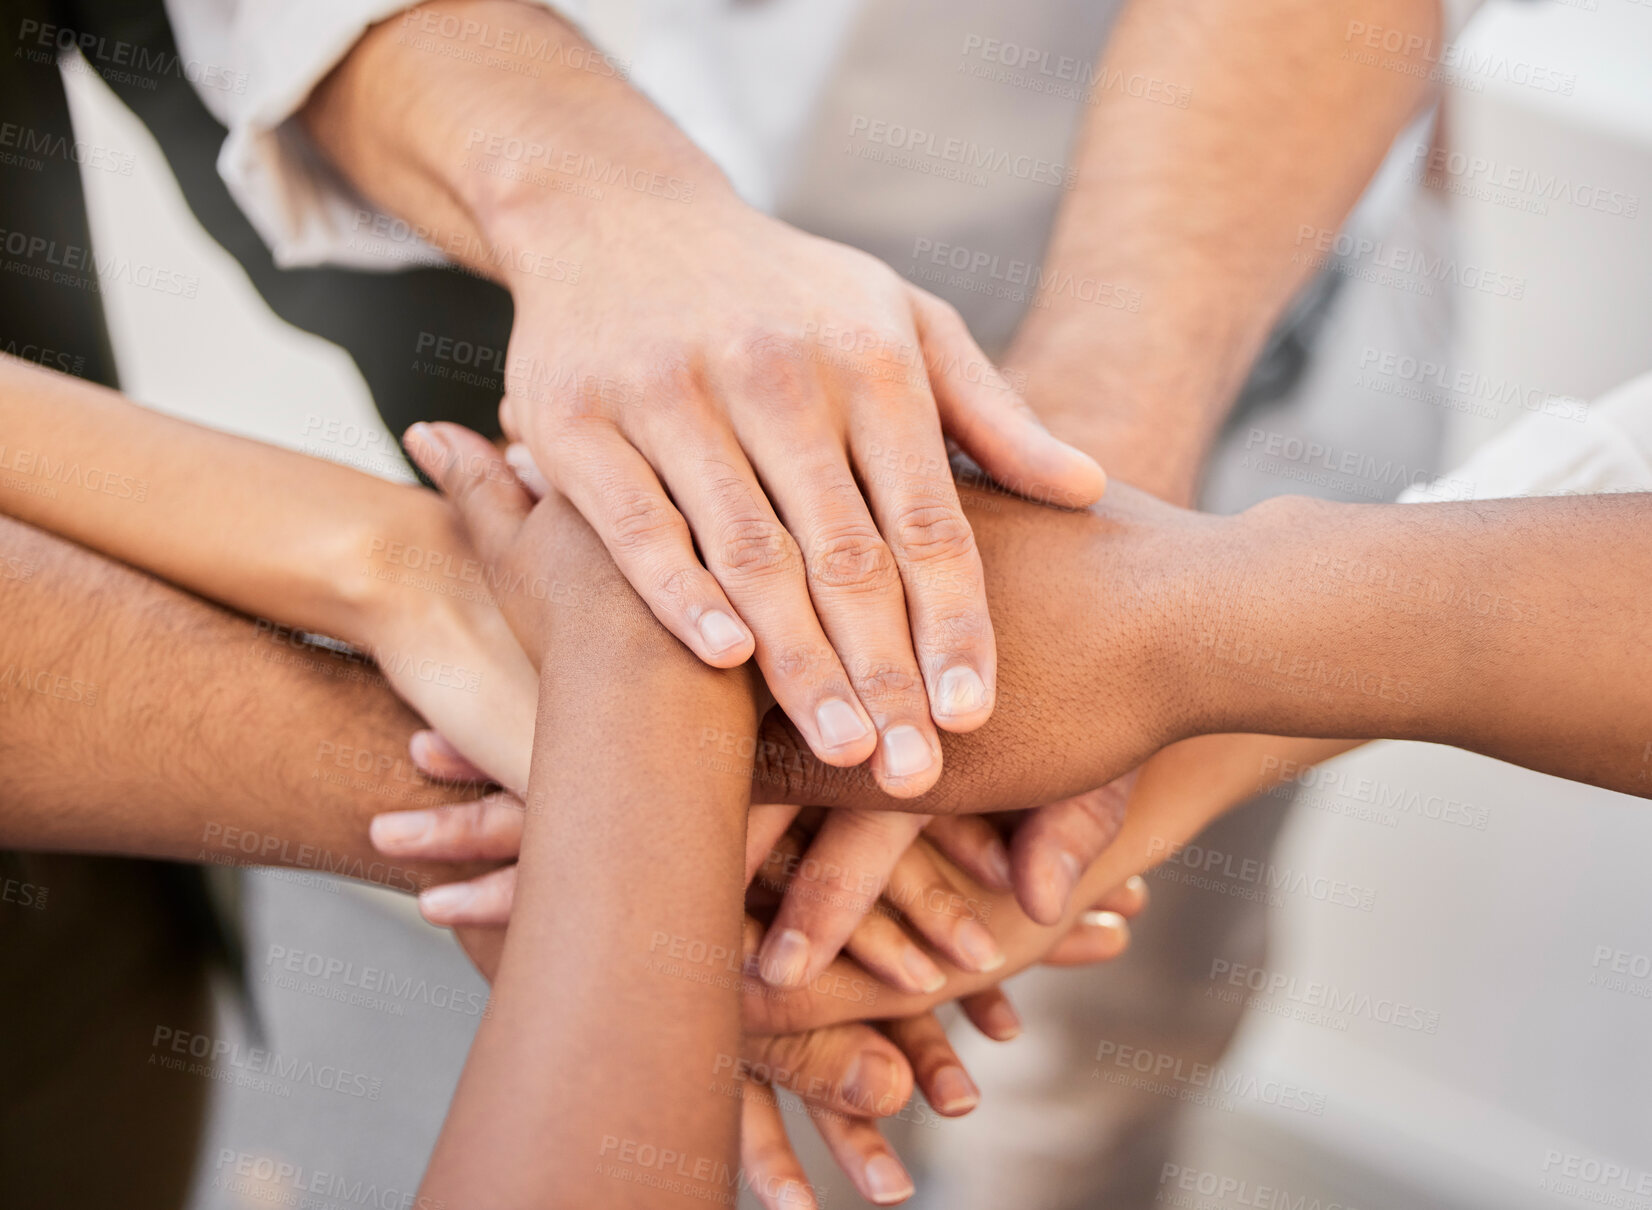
(256, 527)
(1193, 213)
(137, 720)
(625, 934)
(1513, 628)
(476, 150)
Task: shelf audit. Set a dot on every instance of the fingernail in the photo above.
(870, 1082)
(430, 745)
(520, 459)
(721, 632)
(978, 946)
(442, 903)
(398, 829)
(1136, 884)
(905, 752)
(785, 958)
(432, 442)
(840, 723)
(925, 974)
(886, 1181)
(1101, 919)
(1002, 1021)
(961, 691)
(953, 1091)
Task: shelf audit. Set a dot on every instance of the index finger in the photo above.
(471, 473)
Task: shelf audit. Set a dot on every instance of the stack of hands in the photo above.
(871, 898)
(859, 922)
(670, 856)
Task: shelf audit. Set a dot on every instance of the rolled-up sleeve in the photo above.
(276, 52)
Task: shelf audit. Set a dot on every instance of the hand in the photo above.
(848, 1075)
(538, 556)
(1050, 847)
(857, 855)
(445, 648)
(781, 400)
(931, 894)
(1179, 791)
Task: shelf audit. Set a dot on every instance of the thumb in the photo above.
(983, 412)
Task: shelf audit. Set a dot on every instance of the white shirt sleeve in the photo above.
(275, 52)
(1565, 447)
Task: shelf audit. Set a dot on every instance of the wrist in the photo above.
(534, 220)
(1288, 637)
(1145, 396)
(387, 571)
(1206, 581)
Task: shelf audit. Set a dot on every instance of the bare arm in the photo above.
(743, 400)
(1195, 211)
(296, 541)
(135, 719)
(1513, 628)
(545, 1116)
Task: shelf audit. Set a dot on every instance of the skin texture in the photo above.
(512, 1136)
(399, 580)
(1254, 573)
(580, 952)
(1433, 622)
(346, 554)
(1196, 212)
(1299, 617)
(723, 388)
(1420, 622)
(1195, 208)
(138, 720)
(1288, 619)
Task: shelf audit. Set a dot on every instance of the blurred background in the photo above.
(1478, 1039)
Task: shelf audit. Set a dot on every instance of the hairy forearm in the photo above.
(137, 720)
(638, 854)
(1189, 202)
(488, 154)
(1511, 628)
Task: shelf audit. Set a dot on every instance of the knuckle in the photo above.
(933, 532)
(951, 631)
(674, 587)
(802, 1056)
(640, 518)
(733, 494)
(804, 662)
(885, 683)
(756, 548)
(852, 556)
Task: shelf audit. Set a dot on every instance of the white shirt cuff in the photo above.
(302, 207)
